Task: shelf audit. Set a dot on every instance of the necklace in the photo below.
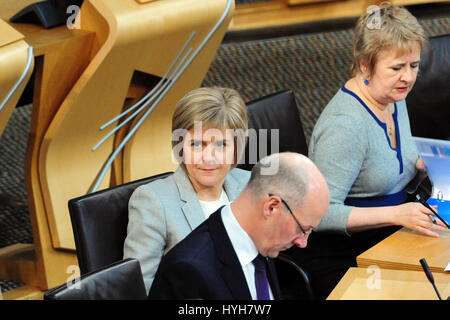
(389, 131)
(388, 120)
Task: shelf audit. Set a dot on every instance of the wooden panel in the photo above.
(146, 1)
(42, 40)
(18, 263)
(13, 63)
(413, 2)
(56, 72)
(11, 7)
(8, 34)
(395, 2)
(302, 2)
(405, 248)
(278, 13)
(383, 284)
(24, 293)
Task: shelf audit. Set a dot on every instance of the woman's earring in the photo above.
(366, 82)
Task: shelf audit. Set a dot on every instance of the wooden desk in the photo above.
(276, 13)
(361, 284)
(404, 249)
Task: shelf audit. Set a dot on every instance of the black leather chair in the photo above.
(429, 102)
(275, 111)
(99, 223)
(295, 282)
(99, 220)
(121, 280)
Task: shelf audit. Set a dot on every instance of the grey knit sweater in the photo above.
(351, 148)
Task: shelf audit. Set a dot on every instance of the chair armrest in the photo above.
(287, 260)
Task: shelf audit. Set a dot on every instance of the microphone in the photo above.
(427, 270)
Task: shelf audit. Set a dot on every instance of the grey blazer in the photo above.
(163, 212)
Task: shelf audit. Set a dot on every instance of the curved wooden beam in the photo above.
(16, 66)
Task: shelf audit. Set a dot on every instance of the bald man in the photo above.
(229, 255)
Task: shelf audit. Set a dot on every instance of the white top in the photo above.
(244, 247)
(210, 207)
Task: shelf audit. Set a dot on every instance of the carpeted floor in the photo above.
(312, 65)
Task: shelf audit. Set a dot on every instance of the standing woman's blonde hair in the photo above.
(218, 108)
(381, 27)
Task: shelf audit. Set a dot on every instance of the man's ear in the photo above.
(271, 206)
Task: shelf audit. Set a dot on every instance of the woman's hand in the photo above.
(420, 165)
(416, 216)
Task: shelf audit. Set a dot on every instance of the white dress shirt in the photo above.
(210, 207)
(244, 247)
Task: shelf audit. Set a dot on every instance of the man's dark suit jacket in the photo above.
(205, 266)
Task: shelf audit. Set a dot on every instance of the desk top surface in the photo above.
(11, 7)
(8, 34)
(35, 35)
(385, 284)
(403, 250)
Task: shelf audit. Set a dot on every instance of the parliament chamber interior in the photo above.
(87, 93)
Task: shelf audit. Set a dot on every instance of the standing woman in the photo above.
(363, 146)
(211, 124)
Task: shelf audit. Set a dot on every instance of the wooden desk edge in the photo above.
(386, 274)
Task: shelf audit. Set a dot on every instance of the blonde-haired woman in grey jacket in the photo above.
(209, 128)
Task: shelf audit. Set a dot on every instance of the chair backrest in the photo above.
(121, 280)
(99, 222)
(276, 111)
(428, 102)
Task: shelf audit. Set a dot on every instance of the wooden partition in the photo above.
(300, 2)
(15, 70)
(291, 12)
(396, 2)
(16, 66)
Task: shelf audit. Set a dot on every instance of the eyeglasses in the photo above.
(305, 233)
